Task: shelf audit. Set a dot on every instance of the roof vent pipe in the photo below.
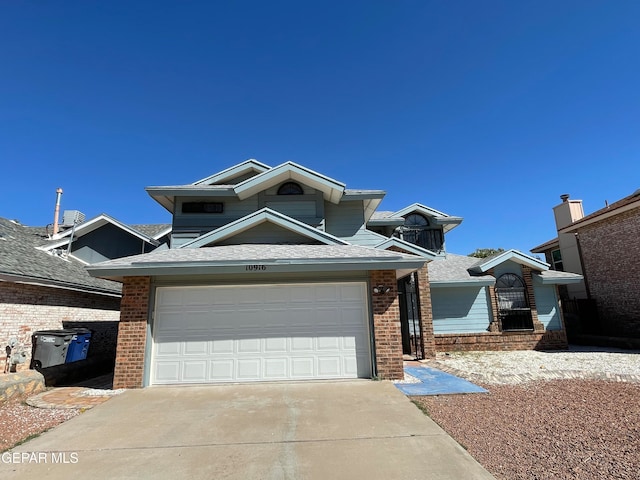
(57, 211)
(564, 197)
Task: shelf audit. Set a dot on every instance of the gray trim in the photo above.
(220, 268)
(43, 282)
(148, 344)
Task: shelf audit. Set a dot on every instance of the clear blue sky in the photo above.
(485, 110)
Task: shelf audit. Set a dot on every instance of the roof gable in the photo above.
(407, 247)
(226, 177)
(439, 218)
(257, 218)
(485, 264)
(331, 189)
(94, 224)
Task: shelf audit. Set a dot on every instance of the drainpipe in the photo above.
(57, 211)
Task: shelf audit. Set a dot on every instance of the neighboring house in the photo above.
(603, 246)
(44, 285)
(277, 273)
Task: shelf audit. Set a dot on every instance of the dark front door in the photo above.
(410, 319)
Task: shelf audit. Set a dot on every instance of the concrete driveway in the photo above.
(359, 429)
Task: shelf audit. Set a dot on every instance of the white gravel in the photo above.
(521, 366)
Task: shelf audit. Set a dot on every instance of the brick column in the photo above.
(386, 326)
(494, 321)
(426, 312)
(528, 281)
(132, 332)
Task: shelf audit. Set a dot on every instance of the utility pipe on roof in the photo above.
(57, 210)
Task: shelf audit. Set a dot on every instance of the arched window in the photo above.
(290, 188)
(513, 305)
(416, 230)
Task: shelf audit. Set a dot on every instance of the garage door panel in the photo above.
(329, 366)
(272, 332)
(248, 369)
(167, 372)
(276, 368)
(302, 367)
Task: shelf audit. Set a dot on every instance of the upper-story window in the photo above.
(290, 188)
(417, 230)
(556, 257)
(202, 207)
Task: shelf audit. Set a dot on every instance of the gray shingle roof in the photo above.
(257, 252)
(455, 268)
(20, 257)
(151, 229)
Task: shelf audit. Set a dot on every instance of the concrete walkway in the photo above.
(358, 429)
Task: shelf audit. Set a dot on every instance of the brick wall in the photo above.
(611, 252)
(497, 341)
(426, 311)
(386, 326)
(132, 333)
(25, 309)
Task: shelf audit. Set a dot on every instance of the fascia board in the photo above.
(256, 218)
(548, 245)
(463, 283)
(331, 189)
(24, 279)
(409, 247)
(271, 266)
(423, 209)
(234, 171)
(541, 280)
(576, 226)
(514, 256)
(92, 225)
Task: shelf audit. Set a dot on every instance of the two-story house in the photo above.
(278, 273)
(604, 247)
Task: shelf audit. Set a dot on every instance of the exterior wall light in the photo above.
(380, 289)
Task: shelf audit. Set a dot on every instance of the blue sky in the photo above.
(485, 110)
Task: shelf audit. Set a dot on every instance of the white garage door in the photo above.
(260, 332)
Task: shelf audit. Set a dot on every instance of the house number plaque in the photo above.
(255, 268)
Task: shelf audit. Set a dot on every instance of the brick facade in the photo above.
(132, 333)
(610, 252)
(386, 326)
(25, 309)
(426, 312)
(497, 341)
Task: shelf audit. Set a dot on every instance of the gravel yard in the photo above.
(19, 421)
(548, 415)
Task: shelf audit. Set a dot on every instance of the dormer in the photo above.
(416, 224)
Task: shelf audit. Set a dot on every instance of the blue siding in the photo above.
(547, 305)
(460, 310)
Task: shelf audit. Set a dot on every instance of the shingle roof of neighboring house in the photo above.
(277, 258)
(546, 246)
(21, 260)
(627, 203)
(152, 230)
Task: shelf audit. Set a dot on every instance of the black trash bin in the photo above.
(79, 346)
(50, 347)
